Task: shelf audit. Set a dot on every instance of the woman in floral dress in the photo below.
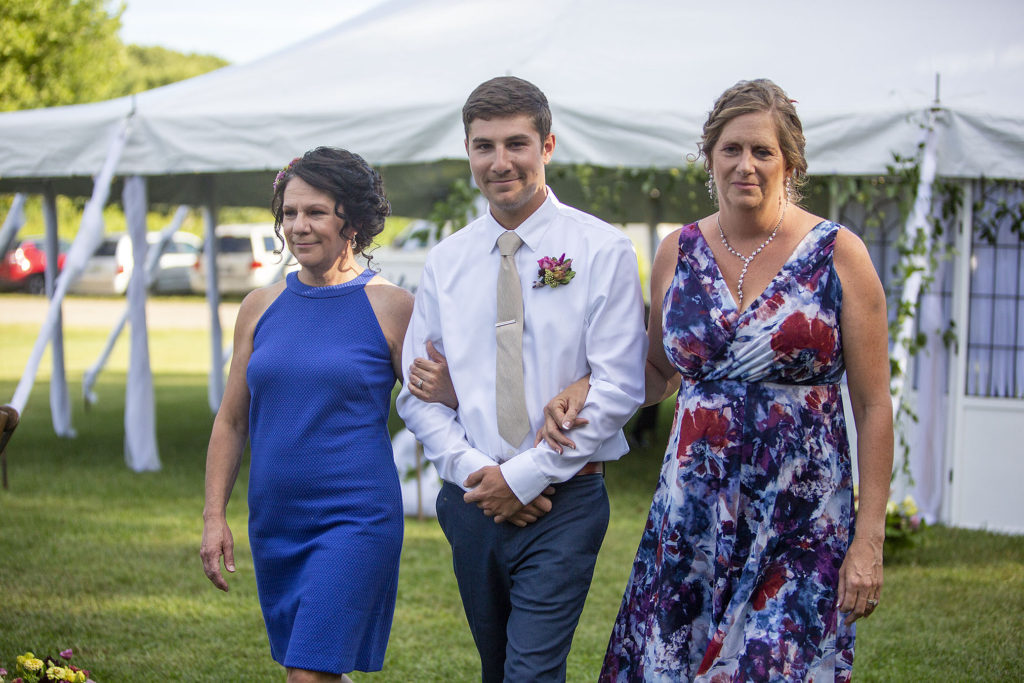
(748, 568)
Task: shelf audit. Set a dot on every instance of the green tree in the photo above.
(57, 52)
(151, 67)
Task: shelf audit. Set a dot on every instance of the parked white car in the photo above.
(246, 259)
(109, 269)
(402, 262)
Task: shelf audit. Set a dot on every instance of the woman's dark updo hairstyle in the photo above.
(751, 97)
(357, 190)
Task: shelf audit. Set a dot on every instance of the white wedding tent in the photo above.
(630, 84)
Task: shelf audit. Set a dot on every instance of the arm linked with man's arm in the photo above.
(435, 425)
(616, 349)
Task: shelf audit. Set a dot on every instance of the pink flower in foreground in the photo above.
(66, 654)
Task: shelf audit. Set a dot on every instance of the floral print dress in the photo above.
(737, 572)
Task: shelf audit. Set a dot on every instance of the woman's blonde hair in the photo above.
(751, 97)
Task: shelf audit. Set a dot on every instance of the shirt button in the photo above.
(510, 453)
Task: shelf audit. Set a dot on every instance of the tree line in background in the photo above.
(59, 52)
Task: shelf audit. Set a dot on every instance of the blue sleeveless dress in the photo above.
(325, 507)
(737, 573)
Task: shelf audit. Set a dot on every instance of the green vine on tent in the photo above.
(990, 212)
(624, 194)
(456, 209)
(617, 195)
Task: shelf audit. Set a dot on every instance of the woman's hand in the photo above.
(860, 579)
(430, 381)
(560, 415)
(227, 440)
(217, 542)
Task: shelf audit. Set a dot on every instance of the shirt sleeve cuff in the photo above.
(470, 462)
(524, 478)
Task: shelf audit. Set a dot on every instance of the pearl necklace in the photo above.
(747, 259)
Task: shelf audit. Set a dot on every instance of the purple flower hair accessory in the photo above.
(284, 171)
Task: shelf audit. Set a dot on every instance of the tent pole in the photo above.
(88, 238)
(215, 389)
(60, 402)
(12, 223)
(960, 312)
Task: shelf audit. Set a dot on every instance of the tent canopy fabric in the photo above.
(630, 84)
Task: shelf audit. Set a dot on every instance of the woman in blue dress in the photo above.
(315, 360)
(748, 567)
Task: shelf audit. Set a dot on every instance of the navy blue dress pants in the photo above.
(523, 589)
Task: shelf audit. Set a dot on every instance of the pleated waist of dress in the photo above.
(823, 398)
(735, 384)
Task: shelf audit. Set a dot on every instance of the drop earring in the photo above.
(711, 186)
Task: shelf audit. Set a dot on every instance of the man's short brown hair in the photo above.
(507, 96)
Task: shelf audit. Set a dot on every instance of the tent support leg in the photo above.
(215, 390)
(60, 401)
(12, 223)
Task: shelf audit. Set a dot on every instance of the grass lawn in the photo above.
(105, 561)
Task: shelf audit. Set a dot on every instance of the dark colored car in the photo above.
(24, 267)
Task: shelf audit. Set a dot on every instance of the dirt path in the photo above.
(104, 312)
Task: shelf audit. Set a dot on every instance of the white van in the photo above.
(246, 259)
(109, 269)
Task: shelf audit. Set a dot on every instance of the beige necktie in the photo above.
(513, 421)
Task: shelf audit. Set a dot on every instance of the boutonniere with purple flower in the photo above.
(554, 271)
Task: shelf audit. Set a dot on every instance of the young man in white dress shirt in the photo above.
(525, 523)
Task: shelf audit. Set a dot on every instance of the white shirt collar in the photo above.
(532, 230)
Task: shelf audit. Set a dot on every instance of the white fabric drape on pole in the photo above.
(917, 222)
(60, 401)
(926, 458)
(927, 435)
(152, 265)
(12, 222)
(140, 450)
(86, 241)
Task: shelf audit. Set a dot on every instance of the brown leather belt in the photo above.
(591, 468)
